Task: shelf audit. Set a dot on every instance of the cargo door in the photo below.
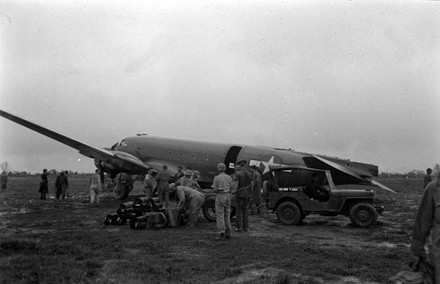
(231, 157)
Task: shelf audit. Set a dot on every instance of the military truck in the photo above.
(286, 193)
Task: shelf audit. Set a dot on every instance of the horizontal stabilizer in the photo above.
(339, 167)
(382, 186)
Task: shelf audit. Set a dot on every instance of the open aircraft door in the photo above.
(231, 157)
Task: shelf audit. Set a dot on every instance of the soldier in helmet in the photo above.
(222, 185)
(190, 199)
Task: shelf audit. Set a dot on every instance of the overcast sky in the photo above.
(352, 79)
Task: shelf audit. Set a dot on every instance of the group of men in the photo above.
(246, 187)
(62, 185)
(184, 185)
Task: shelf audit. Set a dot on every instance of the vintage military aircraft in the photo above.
(134, 155)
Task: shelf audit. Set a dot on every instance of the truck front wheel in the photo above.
(289, 213)
(363, 215)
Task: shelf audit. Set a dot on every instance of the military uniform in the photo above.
(4, 181)
(61, 184)
(43, 186)
(163, 189)
(256, 188)
(428, 224)
(222, 185)
(243, 197)
(149, 185)
(192, 200)
(95, 188)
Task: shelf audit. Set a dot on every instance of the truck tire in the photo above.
(208, 210)
(289, 213)
(363, 215)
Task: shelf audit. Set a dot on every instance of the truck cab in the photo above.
(293, 192)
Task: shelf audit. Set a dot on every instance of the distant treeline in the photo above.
(51, 172)
(411, 174)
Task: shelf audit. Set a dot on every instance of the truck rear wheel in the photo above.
(289, 213)
(363, 215)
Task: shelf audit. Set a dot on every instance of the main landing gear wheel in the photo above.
(363, 215)
(289, 213)
(208, 210)
(121, 192)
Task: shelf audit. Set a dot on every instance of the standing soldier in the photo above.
(163, 189)
(150, 184)
(179, 174)
(186, 179)
(66, 193)
(222, 185)
(427, 229)
(256, 189)
(95, 187)
(43, 185)
(194, 178)
(190, 199)
(243, 196)
(427, 178)
(60, 184)
(4, 181)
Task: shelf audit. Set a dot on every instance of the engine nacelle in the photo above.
(107, 168)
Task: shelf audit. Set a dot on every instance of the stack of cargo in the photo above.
(146, 213)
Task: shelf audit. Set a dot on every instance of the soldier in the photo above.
(194, 178)
(95, 187)
(222, 185)
(60, 184)
(243, 196)
(163, 189)
(179, 174)
(66, 190)
(4, 181)
(427, 178)
(190, 199)
(314, 190)
(43, 185)
(186, 179)
(256, 189)
(427, 224)
(149, 184)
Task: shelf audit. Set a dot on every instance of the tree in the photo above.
(5, 167)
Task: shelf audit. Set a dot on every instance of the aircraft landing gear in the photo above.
(123, 186)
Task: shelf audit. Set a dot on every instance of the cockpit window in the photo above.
(123, 143)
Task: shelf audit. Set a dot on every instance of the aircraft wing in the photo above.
(116, 158)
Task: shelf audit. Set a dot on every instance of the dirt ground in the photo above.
(66, 241)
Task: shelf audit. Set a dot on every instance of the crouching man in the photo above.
(190, 199)
(95, 187)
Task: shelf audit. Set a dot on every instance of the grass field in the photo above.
(67, 242)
